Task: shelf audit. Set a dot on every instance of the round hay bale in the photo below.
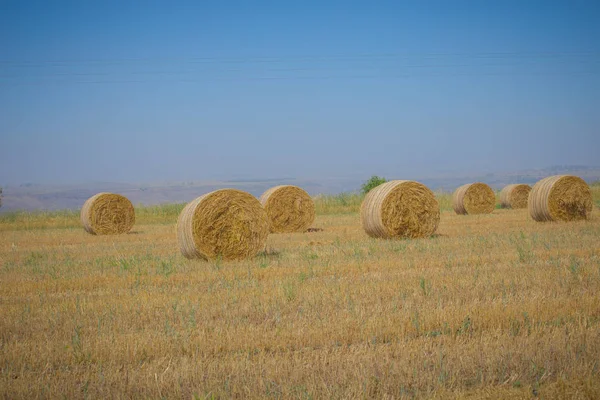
(289, 208)
(227, 224)
(515, 196)
(560, 198)
(400, 209)
(474, 198)
(107, 214)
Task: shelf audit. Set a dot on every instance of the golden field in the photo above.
(492, 306)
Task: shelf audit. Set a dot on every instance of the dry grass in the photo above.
(495, 306)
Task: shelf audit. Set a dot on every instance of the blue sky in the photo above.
(153, 91)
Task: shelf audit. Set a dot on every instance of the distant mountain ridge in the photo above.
(30, 196)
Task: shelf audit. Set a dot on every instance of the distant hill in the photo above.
(500, 179)
(54, 197)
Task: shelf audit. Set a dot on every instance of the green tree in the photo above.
(373, 181)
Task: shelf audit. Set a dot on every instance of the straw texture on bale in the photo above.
(400, 209)
(289, 208)
(107, 214)
(515, 196)
(229, 224)
(560, 198)
(474, 198)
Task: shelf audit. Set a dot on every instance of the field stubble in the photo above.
(491, 306)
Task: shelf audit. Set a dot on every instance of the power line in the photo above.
(331, 68)
(362, 66)
(316, 77)
(281, 59)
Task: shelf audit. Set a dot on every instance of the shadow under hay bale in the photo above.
(515, 196)
(107, 214)
(400, 209)
(289, 208)
(229, 224)
(474, 198)
(560, 198)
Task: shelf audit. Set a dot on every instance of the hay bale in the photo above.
(515, 196)
(226, 223)
(474, 198)
(289, 208)
(107, 214)
(560, 198)
(400, 209)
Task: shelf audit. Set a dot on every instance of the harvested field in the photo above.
(493, 306)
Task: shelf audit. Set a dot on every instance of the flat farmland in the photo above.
(492, 306)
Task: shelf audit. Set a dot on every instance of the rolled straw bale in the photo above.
(289, 208)
(474, 198)
(400, 209)
(227, 223)
(107, 214)
(560, 198)
(515, 196)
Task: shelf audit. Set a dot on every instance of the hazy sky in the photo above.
(133, 91)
